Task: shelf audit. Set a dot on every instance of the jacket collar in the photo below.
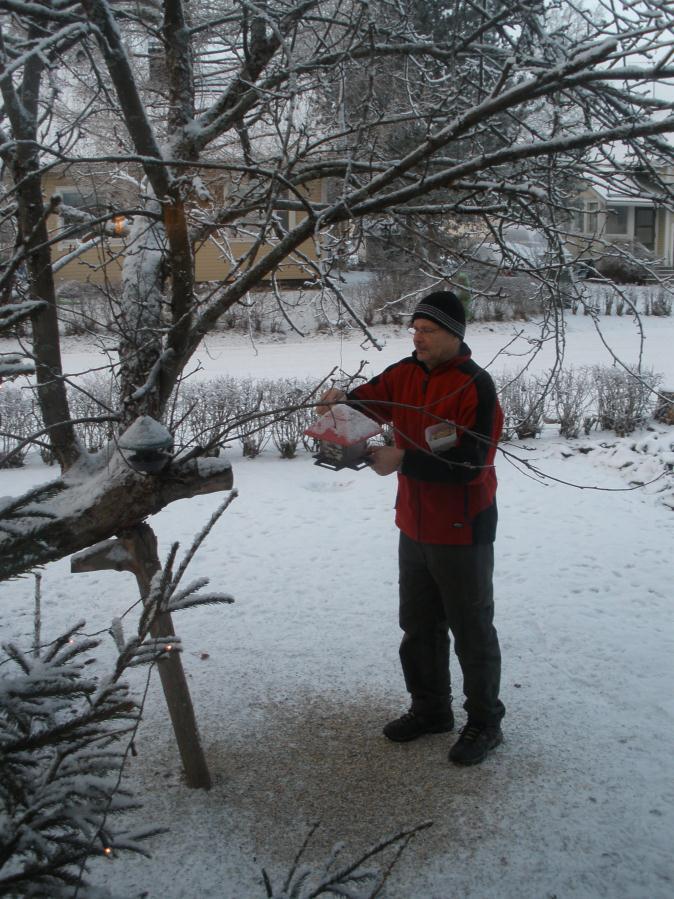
(462, 356)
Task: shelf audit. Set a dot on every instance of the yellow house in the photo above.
(88, 258)
(623, 213)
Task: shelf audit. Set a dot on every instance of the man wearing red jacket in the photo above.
(446, 420)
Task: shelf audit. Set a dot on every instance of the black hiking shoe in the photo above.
(474, 743)
(410, 726)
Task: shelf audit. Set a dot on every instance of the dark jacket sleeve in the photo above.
(478, 427)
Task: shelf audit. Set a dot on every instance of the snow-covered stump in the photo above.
(135, 550)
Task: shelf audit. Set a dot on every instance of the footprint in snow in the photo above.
(327, 486)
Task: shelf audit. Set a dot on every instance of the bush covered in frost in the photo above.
(625, 398)
(523, 399)
(226, 411)
(17, 421)
(610, 398)
(572, 397)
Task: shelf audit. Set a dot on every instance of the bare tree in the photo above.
(250, 106)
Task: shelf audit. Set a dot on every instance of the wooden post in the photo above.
(135, 550)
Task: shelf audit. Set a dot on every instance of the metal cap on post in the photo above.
(146, 445)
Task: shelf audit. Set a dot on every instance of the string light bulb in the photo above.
(107, 850)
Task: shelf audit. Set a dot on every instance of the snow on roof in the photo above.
(627, 187)
(344, 426)
(623, 200)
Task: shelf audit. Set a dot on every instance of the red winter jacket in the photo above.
(447, 497)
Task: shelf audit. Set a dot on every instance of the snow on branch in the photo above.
(93, 502)
(14, 313)
(189, 596)
(14, 364)
(65, 735)
(68, 33)
(62, 743)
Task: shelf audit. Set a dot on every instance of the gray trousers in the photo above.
(442, 589)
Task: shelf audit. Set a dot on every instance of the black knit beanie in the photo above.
(444, 308)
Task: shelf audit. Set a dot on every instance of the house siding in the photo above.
(211, 264)
(660, 233)
(586, 243)
(98, 265)
(102, 264)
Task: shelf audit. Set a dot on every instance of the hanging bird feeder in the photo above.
(342, 435)
(146, 445)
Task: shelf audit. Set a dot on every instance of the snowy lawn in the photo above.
(293, 683)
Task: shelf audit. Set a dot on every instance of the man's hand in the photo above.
(329, 398)
(385, 459)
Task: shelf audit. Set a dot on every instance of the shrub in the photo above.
(522, 397)
(203, 412)
(388, 298)
(94, 396)
(661, 303)
(571, 394)
(17, 422)
(463, 292)
(66, 732)
(627, 262)
(250, 405)
(287, 429)
(83, 309)
(624, 398)
(364, 302)
(208, 414)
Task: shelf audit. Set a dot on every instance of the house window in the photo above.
(71, 196)
(644, 226)
(283, 215)
(591, 217)
(616, 220)
(585, 217)
(578, 220)
(86, 202)
(156, 65)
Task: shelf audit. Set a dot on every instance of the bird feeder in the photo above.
(146, 445)
(342, 435)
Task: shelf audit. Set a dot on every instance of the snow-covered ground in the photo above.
(293, 683)
(509, 345)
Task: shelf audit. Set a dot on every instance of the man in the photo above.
(447, 421)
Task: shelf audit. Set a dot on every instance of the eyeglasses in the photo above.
(425, 332)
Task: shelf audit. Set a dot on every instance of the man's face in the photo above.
(434, 345)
